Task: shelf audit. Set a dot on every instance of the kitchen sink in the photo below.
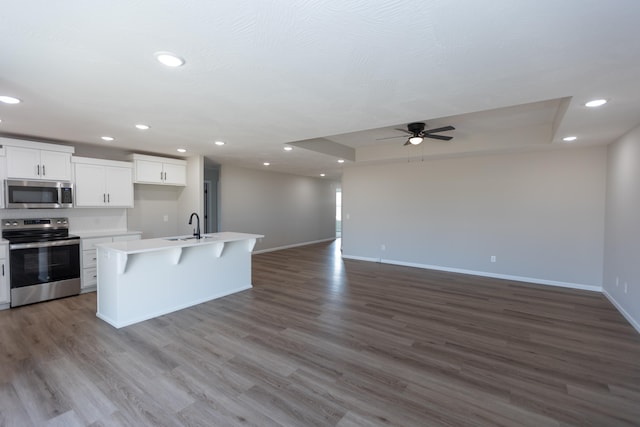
(180, 239)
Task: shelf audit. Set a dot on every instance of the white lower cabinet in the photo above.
(4, 277)
(89, 279)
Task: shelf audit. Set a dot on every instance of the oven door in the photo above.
(44, 270)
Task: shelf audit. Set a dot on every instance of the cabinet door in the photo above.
(149, 172)
(23, 162)
(119, 186)
(90, 185)
(55, 165)
(175, 174)
(4, 283)
(4, 275)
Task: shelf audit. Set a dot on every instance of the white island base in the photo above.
(143, 279)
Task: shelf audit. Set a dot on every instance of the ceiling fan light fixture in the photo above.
(415, 140)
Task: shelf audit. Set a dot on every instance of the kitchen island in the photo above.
(143, 279)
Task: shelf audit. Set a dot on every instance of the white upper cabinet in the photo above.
(27, 160)
(159, 170)
(103, 183)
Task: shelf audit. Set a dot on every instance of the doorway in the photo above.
(338, 212)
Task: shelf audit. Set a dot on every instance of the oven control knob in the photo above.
(7, 224)
(15, 223)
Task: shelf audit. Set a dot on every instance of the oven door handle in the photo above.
(44, 244)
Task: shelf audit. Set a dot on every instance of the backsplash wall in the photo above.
(80, 219)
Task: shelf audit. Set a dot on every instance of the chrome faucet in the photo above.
(196, 232)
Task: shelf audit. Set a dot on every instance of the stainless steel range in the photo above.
(44, 259)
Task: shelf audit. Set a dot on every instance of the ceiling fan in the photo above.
(418, 133)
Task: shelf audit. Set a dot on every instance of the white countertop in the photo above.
(104, 233)
(178, 242)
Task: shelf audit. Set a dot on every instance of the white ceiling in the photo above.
(262, 73)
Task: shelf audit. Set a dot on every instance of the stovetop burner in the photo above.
(36, 230)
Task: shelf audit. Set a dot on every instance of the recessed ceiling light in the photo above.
(181, 150)
(321, 174)
(219, 143)
(9, 99)
(596, 103)
(142, 127)
(569, 138)
(287, 148)
(108, 138)
(340, 161)
(266, 163)
(169, 59)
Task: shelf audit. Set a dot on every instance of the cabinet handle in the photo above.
(161, 176)
(38, 173)
(104, 198)
(43, 172)
(3, 269)
(108, 197)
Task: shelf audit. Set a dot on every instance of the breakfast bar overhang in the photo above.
(143, 279)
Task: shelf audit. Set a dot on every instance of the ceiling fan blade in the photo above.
(391, 137)
(404, 130)
(407, 143)
(442, 129)
(441, 137)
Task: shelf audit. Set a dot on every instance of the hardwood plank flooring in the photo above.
(321, 341)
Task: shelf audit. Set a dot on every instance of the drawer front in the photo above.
(3, 250)
(89, 277)
(89, 258)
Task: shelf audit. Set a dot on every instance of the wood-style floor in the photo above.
(320, 341)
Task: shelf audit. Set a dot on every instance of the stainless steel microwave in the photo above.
(25, 194)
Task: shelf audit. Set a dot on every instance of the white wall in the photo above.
(622, 226)
(192, 198)
(540, 213)
(155, 210)
(211, 174)
(287, 209)
(80, 219)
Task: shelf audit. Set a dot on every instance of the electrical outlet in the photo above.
(165, 218)
(493, 258)
(625, 287)
(383, 247)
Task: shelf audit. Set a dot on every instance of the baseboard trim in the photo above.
(622, 311)
(481, 273)
(295, 245)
